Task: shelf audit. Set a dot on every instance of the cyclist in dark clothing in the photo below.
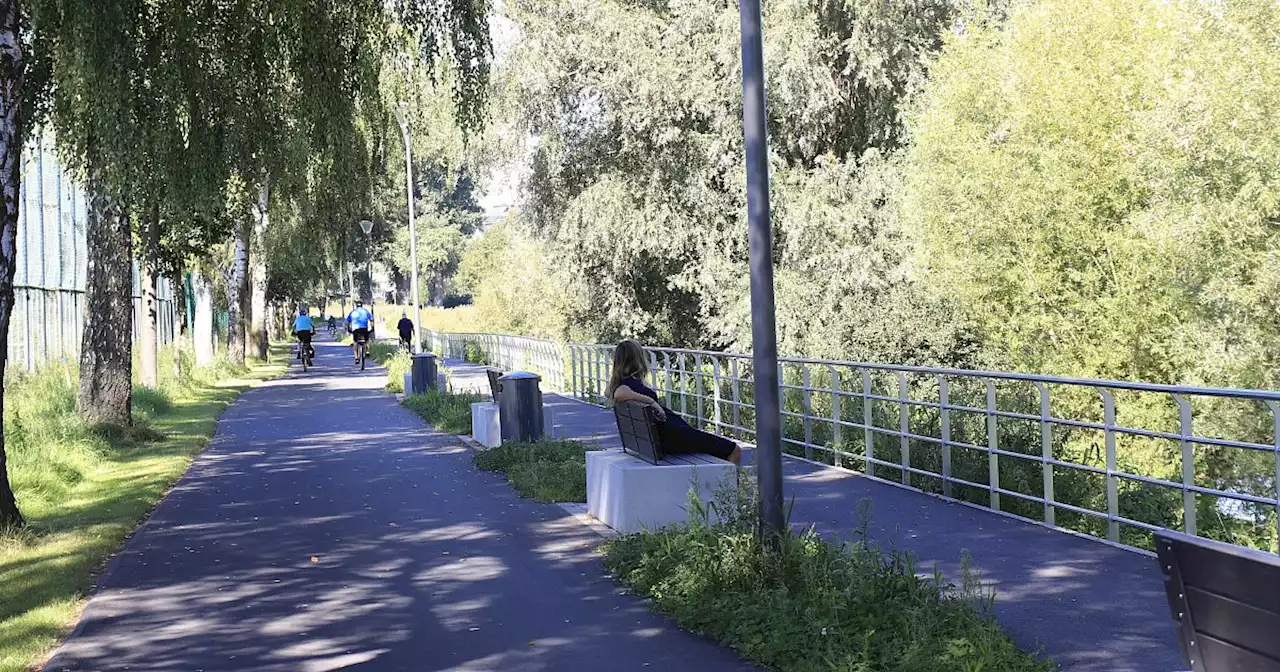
(405, 327)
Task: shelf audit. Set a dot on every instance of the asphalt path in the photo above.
(326, 527)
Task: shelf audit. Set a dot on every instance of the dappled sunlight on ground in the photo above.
(327, 526)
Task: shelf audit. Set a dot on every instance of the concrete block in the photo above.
(631, 495)
(485, 426)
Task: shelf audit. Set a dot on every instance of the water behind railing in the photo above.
(1111, 459)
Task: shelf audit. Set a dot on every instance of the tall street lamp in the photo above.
(764, 338)
(367, 227)
(402, 115)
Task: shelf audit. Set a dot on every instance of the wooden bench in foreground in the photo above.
(641, 486)
(1226, 600)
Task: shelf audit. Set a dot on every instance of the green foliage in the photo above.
(548, 471)
(811, 604)
(397, 361)
(635, 193)
(1094, 181)
(446, 411)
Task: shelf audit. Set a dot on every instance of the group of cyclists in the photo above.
(359, 323)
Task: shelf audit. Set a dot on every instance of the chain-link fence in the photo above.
(52, 264)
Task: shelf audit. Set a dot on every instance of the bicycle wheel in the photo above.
(364, 352)
(302, 354)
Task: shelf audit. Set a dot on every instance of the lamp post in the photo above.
(367, 227)
(764, 337)
(402, 115)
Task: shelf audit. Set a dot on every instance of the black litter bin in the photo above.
(424, 372)
(520, 407)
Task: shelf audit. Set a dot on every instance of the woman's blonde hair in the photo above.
(629, 361)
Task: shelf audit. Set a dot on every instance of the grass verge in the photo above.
(397, 361)
(548, 471)
(445, 411)
(812, 604)
(83, 490)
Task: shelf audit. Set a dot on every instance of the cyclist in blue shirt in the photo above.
(303, 329)
(359, 323)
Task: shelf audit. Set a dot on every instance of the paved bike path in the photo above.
(1088, 606)
(326, 527)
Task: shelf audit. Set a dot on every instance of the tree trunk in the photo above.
(148, 317)
(106, 350)
(237, 292)
(202, 327)
(11, 82)
(258, 337)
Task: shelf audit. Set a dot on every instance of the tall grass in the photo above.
(548, 471)
(811, 605)
(395, 358)
(445, 411)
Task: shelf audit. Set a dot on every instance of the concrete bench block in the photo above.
(408, 384)
(631, 495)
(485, 427)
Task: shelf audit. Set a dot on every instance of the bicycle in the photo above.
(306, 353)
(361, 344)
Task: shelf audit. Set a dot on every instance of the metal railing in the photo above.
(509, 353)
(1111, 459)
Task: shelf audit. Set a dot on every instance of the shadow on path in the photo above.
(325, 527)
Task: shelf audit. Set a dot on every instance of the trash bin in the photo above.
(520, 407)
(424, 372)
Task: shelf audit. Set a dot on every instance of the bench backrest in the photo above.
(495, 385)
(1226, 600)
(639, 430)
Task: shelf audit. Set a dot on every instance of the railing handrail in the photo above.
(1163, 388)
(1189, 390)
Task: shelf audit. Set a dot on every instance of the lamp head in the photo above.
(366, 226)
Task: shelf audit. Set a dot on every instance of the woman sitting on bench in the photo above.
(630, 366)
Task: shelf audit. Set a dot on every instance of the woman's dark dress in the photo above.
(678, 435)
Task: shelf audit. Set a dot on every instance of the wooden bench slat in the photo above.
(1219, 656)
(1235, 622)
(1235, 575)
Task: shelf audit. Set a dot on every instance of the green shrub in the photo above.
(812, 604)
(474, 354)
(548, 471)
(395, 358)
(445, 411)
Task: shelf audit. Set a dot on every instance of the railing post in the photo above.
(808, 412)
(904, 427)
(944, 403)
(837, 448)
(666, 376)
(1275, 441)
(715, 380)
(1188, 446)
(737, 396)
(684, 386)
(573, 370)
(868, 421)
(697, 364)
(993, 443)
(1113, 487)
(1046, 453)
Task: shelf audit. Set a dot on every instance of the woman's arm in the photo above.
(624, 393)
